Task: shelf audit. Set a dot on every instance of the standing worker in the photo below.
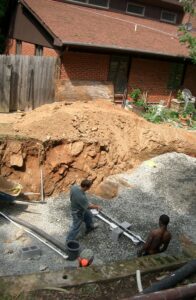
(80, 209)
(158, 239)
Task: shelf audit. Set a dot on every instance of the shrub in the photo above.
(135, 94)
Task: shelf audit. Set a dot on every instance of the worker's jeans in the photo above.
(77, 221)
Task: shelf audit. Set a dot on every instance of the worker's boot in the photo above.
(93, 227)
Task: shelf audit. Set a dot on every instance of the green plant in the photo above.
(135, 94)
(160, 114)
(186, 36)
(180, 96)
(139, 102)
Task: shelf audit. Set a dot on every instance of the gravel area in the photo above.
(165, 184)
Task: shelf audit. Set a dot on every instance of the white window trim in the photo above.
(135, 14)
(93, 5)
(170, 12)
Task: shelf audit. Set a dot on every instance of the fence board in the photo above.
(26, 82)
(5, 75)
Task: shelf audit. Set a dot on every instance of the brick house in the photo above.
(132, 43)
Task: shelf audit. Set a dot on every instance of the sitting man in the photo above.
(80, 209)
(158, 240)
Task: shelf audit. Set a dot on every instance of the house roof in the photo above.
(77, 25)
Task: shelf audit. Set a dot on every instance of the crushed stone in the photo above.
(162, 185)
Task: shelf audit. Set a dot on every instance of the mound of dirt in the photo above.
(82, 140)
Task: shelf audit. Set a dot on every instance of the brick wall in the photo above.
(189, 82)
(50, 52)
(11, 47)
(28, 49)
(85, 66)
(150, 76)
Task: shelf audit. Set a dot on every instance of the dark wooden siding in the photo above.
(26, 28)
(118, 5)
(153, 8)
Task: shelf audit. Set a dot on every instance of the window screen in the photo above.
(103, 3)
(83, 1)
(135, 9)
(168, 16)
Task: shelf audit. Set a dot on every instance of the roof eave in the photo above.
(56, 40)
(131, 50)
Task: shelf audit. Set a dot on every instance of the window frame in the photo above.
(168, 21)
(93, 5)
(135, 14)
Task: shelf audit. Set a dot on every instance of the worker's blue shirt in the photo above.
(78, 198)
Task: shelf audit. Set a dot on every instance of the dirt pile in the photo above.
(80, 140)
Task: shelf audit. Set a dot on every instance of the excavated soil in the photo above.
(81, 140)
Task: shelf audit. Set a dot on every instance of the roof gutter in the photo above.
(132, 50)
(56, 40)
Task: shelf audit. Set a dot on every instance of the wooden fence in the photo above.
(26, 82)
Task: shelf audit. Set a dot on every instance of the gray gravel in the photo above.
(166, 184)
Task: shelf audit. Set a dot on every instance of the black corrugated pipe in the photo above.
(185, 292)
(7, 197)
(174, 278)
(40, 232)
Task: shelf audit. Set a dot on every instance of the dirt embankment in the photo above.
(80, 140)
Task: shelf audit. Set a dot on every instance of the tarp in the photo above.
(9, 187)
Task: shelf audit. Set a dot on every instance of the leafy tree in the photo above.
(187, 38)
(3, 8)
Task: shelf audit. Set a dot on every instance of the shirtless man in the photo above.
(158, 240)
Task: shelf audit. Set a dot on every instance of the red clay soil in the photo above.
(81, 140)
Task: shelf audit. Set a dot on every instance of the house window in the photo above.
(175, 76)
(38, 50)
(104, 3)
(135, 9)
(83, 1)
(168, 16)
(101, 3)
(18, 47)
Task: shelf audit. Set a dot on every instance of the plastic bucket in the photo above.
(73, 249)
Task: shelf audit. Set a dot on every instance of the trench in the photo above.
(65, 162)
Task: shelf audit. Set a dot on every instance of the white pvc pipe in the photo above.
(139, 282)
(112, 225)
(34, 235)
(41, 185)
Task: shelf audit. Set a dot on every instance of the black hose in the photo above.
(7, 197)
(174, 278)
(40, 232)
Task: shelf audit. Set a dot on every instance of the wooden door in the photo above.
(118, 73)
